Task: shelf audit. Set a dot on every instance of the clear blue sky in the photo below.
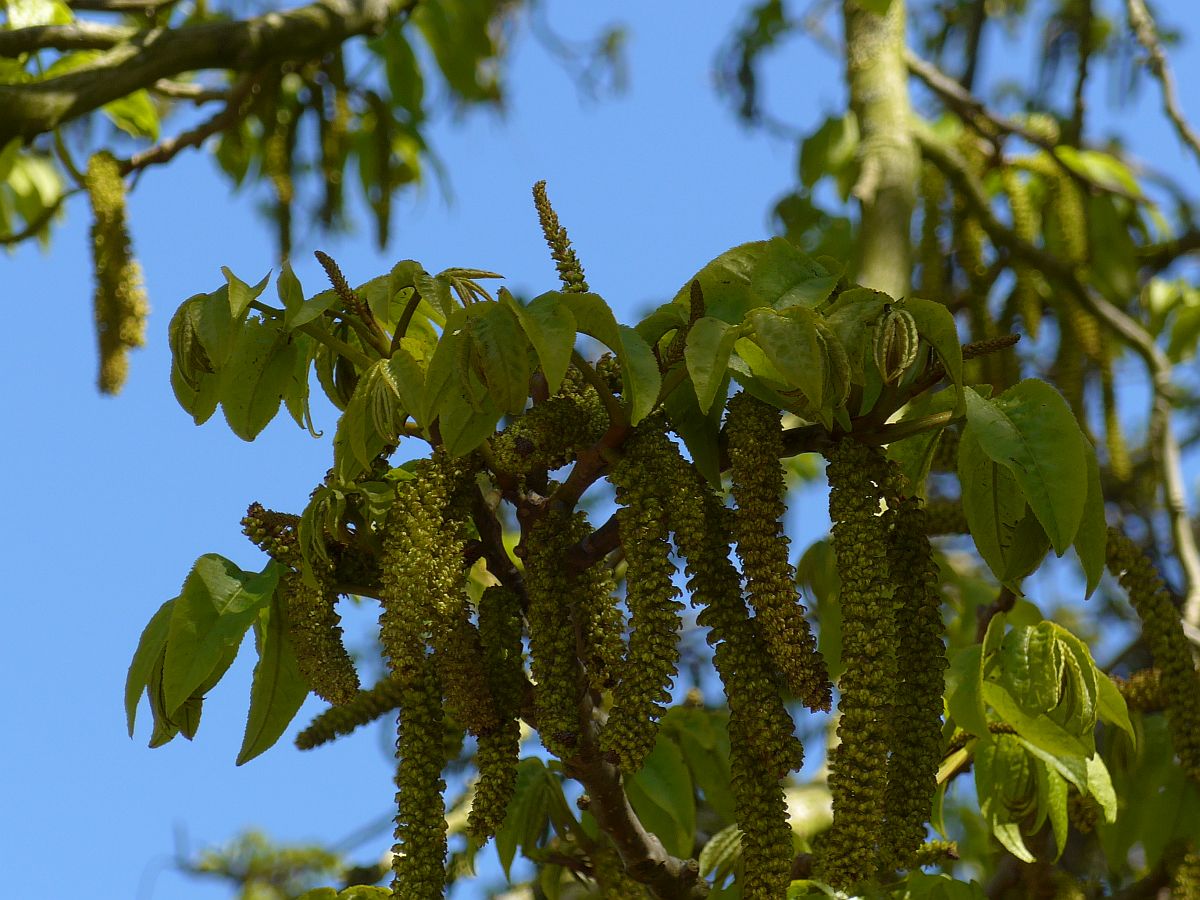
(112, 499)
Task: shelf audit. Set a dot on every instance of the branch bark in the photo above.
(74, 36)
(887, 183)
(302, 33)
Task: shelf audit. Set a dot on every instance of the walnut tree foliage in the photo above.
(565, 520)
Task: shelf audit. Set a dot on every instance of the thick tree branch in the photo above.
(1157, 257)
(303, 33)
(888, 161)
(73, 36)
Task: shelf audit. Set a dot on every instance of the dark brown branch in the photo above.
(73, 36)
(165, 151)
(120, 6)
(1157, 257)
(307, 32)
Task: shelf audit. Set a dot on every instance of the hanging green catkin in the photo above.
(929, 251)
(858, 765)
(120, 300)
(763, 746)
(1185, 883)
(755, 448)
(498, 751)
(1026, 295)
(570, 272)
(650, 663)
(916, 741)
(417, 571)
(602, 626)
(1118, 453)
(338, 721)
(609, 873)
(549, 587)
(549, 434)
(1169, 646)
(274, 533)
(1143, 691)
(316, 635)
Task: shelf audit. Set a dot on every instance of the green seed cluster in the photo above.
(547, 436)
(763, 747)
(419, 569)
(916, 741)
(755, 448)
(419, 854)
(570, 272)
(1143, 691)
(858, 765)
(338, 721)
(1026, 297)
(498, 751)
(1170, 648)
(274, 533)
(120, 300)
(316, 635)
(550, 588)
(650, 664)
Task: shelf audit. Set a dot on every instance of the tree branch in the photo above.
(1147, 35)
(28, 110)
(73, 36)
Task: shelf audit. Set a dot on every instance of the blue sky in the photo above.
(113, 499)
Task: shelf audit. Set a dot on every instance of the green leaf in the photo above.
(241, 295)
(831, 150)
(964, 690)
(640, 378)
(150, 647)
(550, 326)
(709, 343)
(257, 375)
(1003, 772)
(786, 277)
(291, 294)
(725, 283)
(1091, 540)
(1056, 807)
(995, 510)
(593, 317)
(442, 375)
(213, 612)
(699, 430)
(134, 114)
(278, 689)
(721, 854)
(936, 325)
(1100, 786)
(528, 812)
(850, 318)
(1030, 667)
(1030, 430)
(1112, 707)
(1039, 730)
(501, 348)
(311, 309)
(791, 344)
(662, 796)
(463, 428)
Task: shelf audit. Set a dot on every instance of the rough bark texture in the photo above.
(887, 183)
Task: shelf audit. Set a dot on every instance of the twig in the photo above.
(72, 36)
(165, 151)
(1143, 26)
(1079, 104)
(182, 90)
(37, 224)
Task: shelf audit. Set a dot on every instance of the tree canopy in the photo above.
(599, 647)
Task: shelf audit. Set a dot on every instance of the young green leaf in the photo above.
(662, 796)
(709, 344)
(278, 689)
(1030, 430)
(256, 377)
(216, 607)
(291, 294)
(150, 646)
(241, 295)
(936, 325)
(550, 327)
(791, 344)
(502, 348)
(640, 377)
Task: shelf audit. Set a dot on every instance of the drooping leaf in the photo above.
(256, 377)
(278, 689)
(936, 325)
(964, 690)
(1092, 538)
(501, 347)
(662, 796)
(640, 378)
(150, 646)
(725, 283)
(1030, 430)
(1112, 706)
(709, 344)
(785, 277)
(215, 609)
(528, 813)
(791, 344)
(550, 327)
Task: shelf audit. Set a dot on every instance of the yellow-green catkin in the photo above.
(120, 301)
(419, 568)
(935, 853)
(1069, 233)
(650, 662)
(763, 746)
(847, 855)
(1168, 645)
(1026, 296)
(498, 751)
(916, 742)
(547, 436)
(549, 588)
(316, 635)
(602, 626)
(755, 448)
(274, 533)
(570, 272)
(1143, 691)
(338, 721)
(1185, 883)
(929, 251)
(610, 876)
(945, 517)
(1119, 463)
